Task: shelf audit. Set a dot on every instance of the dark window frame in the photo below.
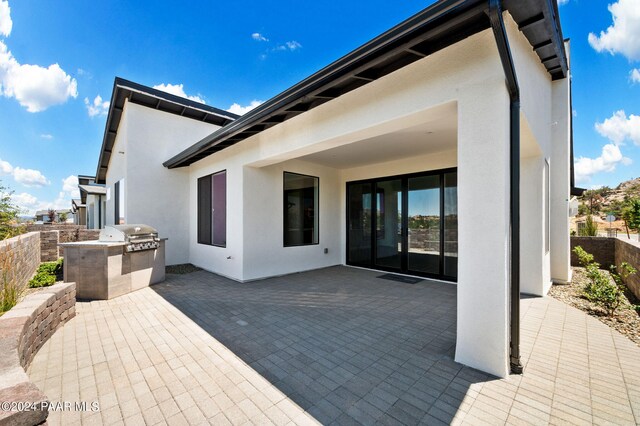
(285, 206)
(373, 181)
(205, 231)
(116, 199)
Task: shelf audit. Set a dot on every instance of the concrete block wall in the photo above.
(611, 251)
(629, 251)
(603, 250)
(49, 240)
(23, 331)
(20, 257)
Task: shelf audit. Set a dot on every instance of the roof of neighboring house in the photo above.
(46, 212)
(76, 204)
(93, 189)
(437, 27)
(155, 99)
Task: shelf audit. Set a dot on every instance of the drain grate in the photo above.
(400, 278)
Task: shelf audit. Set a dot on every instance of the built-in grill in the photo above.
(135, 237)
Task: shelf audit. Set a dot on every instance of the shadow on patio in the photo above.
(341, 343)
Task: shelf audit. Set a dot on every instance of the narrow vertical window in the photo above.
(212, 209)
(300, 209)
(118, 198)
(116, 202)
(547, 206)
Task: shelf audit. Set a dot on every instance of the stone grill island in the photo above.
(125, 258)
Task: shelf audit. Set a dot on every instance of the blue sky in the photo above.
(57, 57)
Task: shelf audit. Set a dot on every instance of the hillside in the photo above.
(604, 201)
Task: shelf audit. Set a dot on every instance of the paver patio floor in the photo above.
(336, 345)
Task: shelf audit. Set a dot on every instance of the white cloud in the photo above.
(30, 203)
(178, 90)
(634, 75)
(241, 110)
(30, 177)
(562, 2)
(259, 37)
(610, 157)
(34, 87)
(623, 36)
(46, 136)
(25, 201)
(619, 128)
(5, 167)
(70, 186)
(27, 177)
(6, 24)
(289, 45)
(97, 107)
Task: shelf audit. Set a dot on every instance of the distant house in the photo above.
(43, 215)
(90, 208)
(441, 148)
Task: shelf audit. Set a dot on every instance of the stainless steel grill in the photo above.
(136, 237)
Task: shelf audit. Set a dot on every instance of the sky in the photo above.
(58, 61)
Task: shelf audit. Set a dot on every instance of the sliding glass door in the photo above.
(405, 224)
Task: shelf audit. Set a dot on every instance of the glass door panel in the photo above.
(360, 224)
(388, 227)
(424, 224)
(451, 224)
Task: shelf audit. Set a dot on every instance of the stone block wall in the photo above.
(49, 240)
(23, 331)
(629, 251)
(20, 257)
(603, 250)
(611, 251)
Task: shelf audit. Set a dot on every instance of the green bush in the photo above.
(600, 289)
(584, 258)
(47, 274)
(590, 228)
(42, 280)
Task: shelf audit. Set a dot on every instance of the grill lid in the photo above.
(125, 233)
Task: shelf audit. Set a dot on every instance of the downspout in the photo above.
(500, 34)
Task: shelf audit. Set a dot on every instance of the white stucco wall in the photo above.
(468, 73)
(155, 195)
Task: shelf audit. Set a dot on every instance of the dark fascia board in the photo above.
(436, 27)
(156, 99)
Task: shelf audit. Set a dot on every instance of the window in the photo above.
(212, 209)
(547, 206)
(118, 198)
(300, 209)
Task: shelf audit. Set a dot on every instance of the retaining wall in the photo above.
(611, 251)
(53, 234)
(23, 331)
(19, 258)
(629, 251)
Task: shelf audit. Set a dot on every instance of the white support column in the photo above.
(560, 182)
(483, 227)
(532, 205)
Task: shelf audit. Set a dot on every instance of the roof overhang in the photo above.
(125, 90)
(91, 190)
(440, 25)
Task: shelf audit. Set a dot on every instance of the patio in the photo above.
(333, 345)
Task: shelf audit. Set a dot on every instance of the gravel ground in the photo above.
(626, 319)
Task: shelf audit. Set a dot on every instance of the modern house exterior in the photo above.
(90, 209)
(441, 148)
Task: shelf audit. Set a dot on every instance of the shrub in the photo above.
(600, 289)
(10, 291)
(584, 258)
(47, 274)
(42, 279)
(590, 228)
